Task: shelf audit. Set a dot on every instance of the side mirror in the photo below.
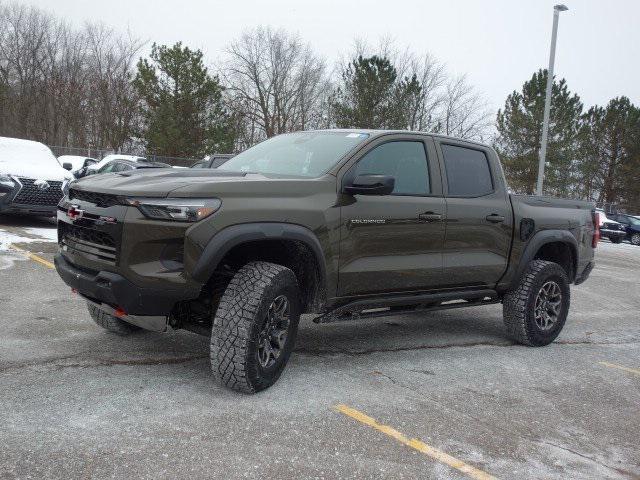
(370, 184)
(67, 166)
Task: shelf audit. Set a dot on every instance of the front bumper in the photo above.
(108, 289)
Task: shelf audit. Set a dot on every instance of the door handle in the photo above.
(495, 218)
(430, 217)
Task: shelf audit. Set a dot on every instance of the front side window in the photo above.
(468, 173)
(219, 161)
(300, 154)
(109, 167)
(405, 161)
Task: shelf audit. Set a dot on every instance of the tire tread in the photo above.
(233, 321)
(515, 302)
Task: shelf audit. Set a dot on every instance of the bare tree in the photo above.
(443, 104)
(112, 105)
(464, 114)
(274, 81)
(64, 86)
(426, 104)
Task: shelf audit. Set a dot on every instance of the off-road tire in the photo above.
(109, 322)
(518, 305)
(635, 239)
(616, 239)
(238, 321)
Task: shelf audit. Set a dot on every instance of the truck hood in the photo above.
(181, 183)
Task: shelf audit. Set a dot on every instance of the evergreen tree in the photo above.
(519, 127)
(372, 95)
(609, 163)
(182, 104)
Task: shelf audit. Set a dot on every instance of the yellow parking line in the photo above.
(418, 445)
(34, 257)
(620, 367)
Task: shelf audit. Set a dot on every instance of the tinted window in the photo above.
(219, 161)
(109, 167)
(199, 165)
(405, 161)
(468, 171)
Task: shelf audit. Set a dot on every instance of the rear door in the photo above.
(393, 242)
(479, 221)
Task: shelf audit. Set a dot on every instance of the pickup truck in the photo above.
(342, 224)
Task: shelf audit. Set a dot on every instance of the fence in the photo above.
(100, 153)
(614, 208)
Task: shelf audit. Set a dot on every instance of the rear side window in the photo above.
(405, 161)
(468, 173)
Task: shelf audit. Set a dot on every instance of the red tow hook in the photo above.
(120, 313)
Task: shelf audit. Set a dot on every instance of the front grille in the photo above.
(94, 243)
(103, 200)
(31, 194)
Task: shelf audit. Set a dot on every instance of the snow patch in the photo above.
(46, 234)
(36, 235)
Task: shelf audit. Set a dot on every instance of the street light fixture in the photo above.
(547, 101)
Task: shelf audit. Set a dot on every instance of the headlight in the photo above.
(178, 209)
(65, 187)
(7, 181)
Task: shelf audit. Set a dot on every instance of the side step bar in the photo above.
(371, 308)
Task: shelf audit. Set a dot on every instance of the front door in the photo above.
(394, 242)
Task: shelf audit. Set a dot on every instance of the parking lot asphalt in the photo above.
(413, 396)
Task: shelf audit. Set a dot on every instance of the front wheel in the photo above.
(255, 326)
(615, 239)
(635, 239)
(535, 312)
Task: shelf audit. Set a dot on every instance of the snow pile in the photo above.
(24, 158)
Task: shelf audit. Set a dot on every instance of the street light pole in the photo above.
(547, 101)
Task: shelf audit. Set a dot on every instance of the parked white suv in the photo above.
(31, 179)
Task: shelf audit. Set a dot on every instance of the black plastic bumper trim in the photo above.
(115, 290)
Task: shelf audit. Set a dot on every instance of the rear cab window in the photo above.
(467, 170)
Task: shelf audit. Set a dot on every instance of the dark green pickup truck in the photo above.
(343, 224)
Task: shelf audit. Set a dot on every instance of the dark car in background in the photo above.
(213, 161)
(610, 228)
(631, 225)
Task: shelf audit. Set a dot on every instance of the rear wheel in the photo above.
(109, 322)
(535, 312)
(635, 239)
(255, 326)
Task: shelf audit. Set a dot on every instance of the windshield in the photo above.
(634, 221)
(303, 154)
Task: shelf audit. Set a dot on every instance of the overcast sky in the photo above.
(498, 43)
